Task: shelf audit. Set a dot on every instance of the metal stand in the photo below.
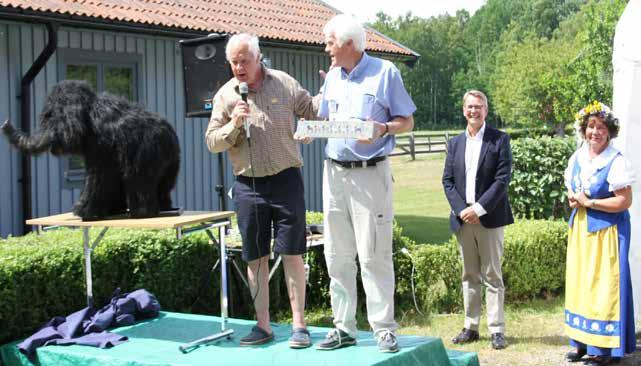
(224, 333)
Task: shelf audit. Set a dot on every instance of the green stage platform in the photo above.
(155, 342)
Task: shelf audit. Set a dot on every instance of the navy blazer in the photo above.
(492, 179)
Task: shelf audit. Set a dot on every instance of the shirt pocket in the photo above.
(333, 105)
(363, 107)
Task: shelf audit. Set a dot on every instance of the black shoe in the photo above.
(334, 339)
(602, 361)
(576, 356)
(498, 341)
(257, 336)
(466, 336)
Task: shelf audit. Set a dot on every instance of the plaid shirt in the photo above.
(272, 123)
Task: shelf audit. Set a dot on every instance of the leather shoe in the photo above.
(602, 361)
(576, 356)
(498, 341)
(466, 336)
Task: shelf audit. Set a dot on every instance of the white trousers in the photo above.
(482, 249)
(358, 213)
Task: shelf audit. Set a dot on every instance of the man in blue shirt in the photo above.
(357, 183)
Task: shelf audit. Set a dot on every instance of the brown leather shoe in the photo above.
(466, 336)
(498, 341)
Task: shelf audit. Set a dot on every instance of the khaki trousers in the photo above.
(358, 213)
(481, 250)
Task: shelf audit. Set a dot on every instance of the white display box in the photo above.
(348, 129)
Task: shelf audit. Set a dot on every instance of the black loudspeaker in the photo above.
(205, 70)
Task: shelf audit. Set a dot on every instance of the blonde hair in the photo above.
(478, 94)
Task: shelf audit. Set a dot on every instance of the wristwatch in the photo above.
(591, 203)
(386, 130)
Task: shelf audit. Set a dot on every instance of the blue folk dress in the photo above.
(599, 314)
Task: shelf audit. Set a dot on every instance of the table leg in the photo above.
(87, 254)
(224, 333)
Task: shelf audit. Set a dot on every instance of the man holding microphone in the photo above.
(253, 118)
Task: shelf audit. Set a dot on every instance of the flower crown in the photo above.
(596, 108)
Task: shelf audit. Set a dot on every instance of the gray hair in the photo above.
(478, 94)
(243, 38)
(344, 28)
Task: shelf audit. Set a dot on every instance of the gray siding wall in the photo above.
(161, 83)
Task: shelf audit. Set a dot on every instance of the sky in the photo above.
(365, 10)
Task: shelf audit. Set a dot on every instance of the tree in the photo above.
(533, 85)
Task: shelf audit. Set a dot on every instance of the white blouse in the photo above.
(620, 176)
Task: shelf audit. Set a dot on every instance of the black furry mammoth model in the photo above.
(131, 156)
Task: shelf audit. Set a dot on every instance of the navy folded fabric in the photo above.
(89, 327)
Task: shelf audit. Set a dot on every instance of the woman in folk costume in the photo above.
(599, 318)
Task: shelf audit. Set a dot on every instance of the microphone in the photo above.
(243, 88)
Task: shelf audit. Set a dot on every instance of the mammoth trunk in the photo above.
(34, 144)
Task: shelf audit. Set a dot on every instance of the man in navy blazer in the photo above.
(476, 176)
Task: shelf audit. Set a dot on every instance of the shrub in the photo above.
(41, 276)
(537, 189)
(536, 132)
(533, 264)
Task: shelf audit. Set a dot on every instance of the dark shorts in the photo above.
(279, 203)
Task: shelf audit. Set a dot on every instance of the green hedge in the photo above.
(533, 265)
(536, 132)
(42, 276)
(537, 188)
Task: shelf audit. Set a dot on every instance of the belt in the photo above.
(359, 163)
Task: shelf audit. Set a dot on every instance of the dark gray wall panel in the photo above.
(161, 90)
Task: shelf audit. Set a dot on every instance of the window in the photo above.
(103, 74)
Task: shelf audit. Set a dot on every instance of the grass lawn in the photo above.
(420, 206)
(534, 333)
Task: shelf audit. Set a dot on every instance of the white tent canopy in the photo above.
(626, 59)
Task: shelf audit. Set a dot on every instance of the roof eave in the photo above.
(31, 16)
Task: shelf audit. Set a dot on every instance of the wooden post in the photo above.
(412, 147)
(447, 140)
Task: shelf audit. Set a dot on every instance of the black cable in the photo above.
(253, 179)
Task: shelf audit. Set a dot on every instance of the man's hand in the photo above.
(300, 138)
(303, 139)
(323, 73)
(239, 113)
(469, 216)
(379, 130)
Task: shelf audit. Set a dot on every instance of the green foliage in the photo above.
(534, 258)
(41, 276)
(592, 68)
(535, 132)
(530, 87)
(440, 42)
(539, 61)
(545, 80)
(537, 187)
(533, 265)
